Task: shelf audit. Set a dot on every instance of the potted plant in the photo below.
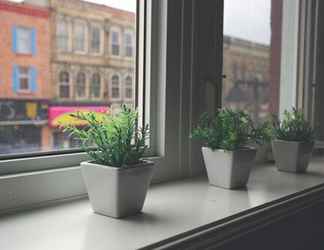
(116, 178)
(228, 152)
(293, 142)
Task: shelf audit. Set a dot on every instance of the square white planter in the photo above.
(117, 192)
(291, 156)
(228, 169)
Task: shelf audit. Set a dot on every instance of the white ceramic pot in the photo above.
(292, 156)
(228, 169)
(117, 192)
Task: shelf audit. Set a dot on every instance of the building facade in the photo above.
(246, 66)
(92, 60)
(25, 48)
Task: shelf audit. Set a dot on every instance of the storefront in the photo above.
(60, 116)
(23, 125)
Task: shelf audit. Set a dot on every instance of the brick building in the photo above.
(247, 84)
(92, 59)
(24, 76)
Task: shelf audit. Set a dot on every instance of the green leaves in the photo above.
(229, 129)
(117, 139)
(293, 127)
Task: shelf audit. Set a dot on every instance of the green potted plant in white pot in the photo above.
(293, 142)
(116, 178)
(229, 138)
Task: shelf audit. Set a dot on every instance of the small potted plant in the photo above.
(229, 137)
(116, 178)
(293, 142)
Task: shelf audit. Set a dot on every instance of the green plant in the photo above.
(230, 130)
(117, 139)
(293, 127)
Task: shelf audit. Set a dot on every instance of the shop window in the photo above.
(64, 83)
(80, 85)
(95, 86)
(115, 88)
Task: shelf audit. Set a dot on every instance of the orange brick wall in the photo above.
(26, 16)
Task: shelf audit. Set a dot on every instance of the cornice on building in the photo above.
(24, 9)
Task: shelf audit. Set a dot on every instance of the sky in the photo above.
(246, 19)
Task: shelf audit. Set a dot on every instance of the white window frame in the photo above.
(164, 106)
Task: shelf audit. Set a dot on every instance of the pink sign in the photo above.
(61, 115)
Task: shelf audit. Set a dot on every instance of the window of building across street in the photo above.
(95, 39)
(62, 35)
(115, 44)
(24, 40)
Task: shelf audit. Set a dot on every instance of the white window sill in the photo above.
(181, 208)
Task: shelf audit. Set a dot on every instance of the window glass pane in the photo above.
(251, 57)
(62, 35)
(115, 43)
(79, 36)
(24, 43)
(95, 39)
(39, 91)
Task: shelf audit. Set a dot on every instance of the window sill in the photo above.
(173, 212)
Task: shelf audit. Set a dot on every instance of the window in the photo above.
(95, 86)
(24, 81)
(79, 36)
(95, 43)
(115, 88)
(62, 35)
(80, 87)
(64, 85)
(115, 43)
(251, 57)
(24, 40)
(128, 44)
(129, 87)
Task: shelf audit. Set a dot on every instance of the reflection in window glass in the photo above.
(250, 57)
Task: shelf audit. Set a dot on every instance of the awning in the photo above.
(61, 115)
